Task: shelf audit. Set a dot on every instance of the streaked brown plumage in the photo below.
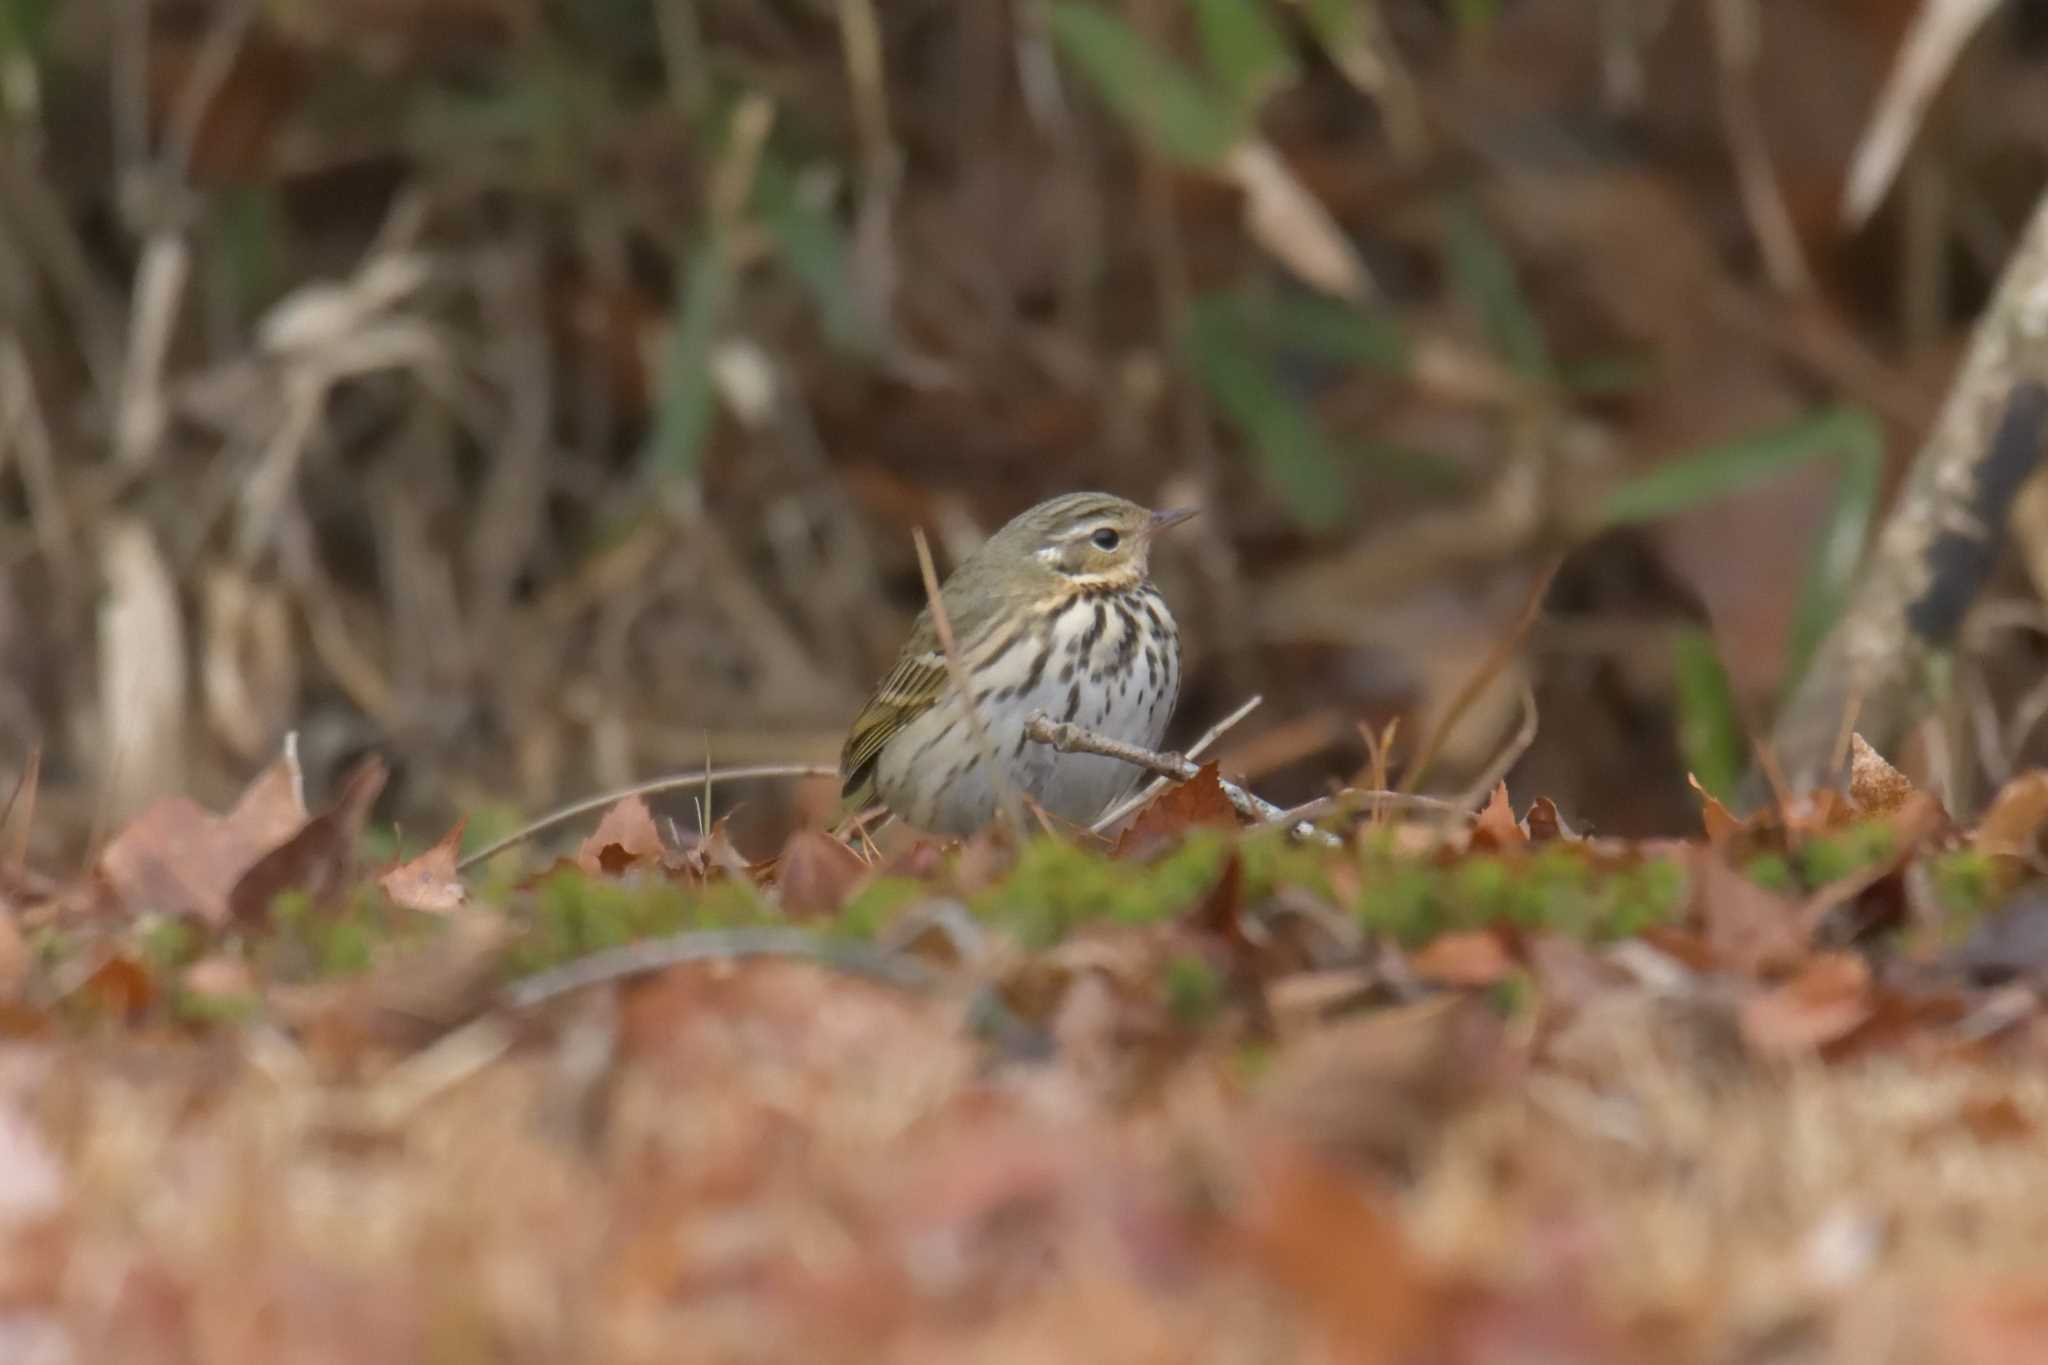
(1055, 612)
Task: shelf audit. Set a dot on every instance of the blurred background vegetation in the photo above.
(543, 392)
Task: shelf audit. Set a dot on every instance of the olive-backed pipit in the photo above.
(1055, 613)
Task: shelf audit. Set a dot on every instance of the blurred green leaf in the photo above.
(1686, 482)
(1710, 733)
(1295, 458)
(24, 29)
(812, 243)
(1162, 101)
(1607, 375)
(1317, 325)
(1485, 278)
(1838, 551)
(1473, 16)
(1245, 51)
(684, 407)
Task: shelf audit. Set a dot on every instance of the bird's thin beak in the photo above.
(1172, 517)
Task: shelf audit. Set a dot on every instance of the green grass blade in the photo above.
(1484, 276)
(1710, 733)
(1157, 97)
(1295, 458)
(1689, 481)
(684, 408)
(1245, 51)
(812, 243)
(1838, 551)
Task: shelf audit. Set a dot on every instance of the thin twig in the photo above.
(1378, 801)
(1496, 772)
(710, 945)
(999, 777)
(673, 782)
(1489, 668)
(1196, 750)
(1069, 738)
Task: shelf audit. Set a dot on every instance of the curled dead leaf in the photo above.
(177, 859)
(1475, 957)
(428, 882)
(1823, 1004)
(1495, 826)
(319, 860)
(1195, 803)
(1875, 786)
(816, 873)
(2012, 825)
(626, 835)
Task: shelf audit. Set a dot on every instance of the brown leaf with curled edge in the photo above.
(1719, 822)
(1495, 827)
(121, 986)
(320, 859)
(626, 835)
(1749, 928)
(177, 859)
(1826, 1002)
(2012, 826)
(428, 882)
(816, 873)
(1545, 824)
(1198, 802)
(1475, 957)
(1334, 1244)
(1875, 786)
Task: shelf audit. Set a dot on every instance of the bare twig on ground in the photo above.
(1196, 750)
(718, 945)
(673, 782)
(1497, 659)
(1496, 772)
(1943, 534)
(1940, 31)
(1069, 738)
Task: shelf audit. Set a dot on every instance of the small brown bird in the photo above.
(1055, 613)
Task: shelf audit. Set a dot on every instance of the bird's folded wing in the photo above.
(913, 687)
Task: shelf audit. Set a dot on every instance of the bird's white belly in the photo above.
(939, 777)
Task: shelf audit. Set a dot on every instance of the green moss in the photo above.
(167, 942)
(875, 904)
(1773, 872)
(194, 1007)
(1554, 888)
(1966, 884)
(1056, 887)
(1846, 852)
(1194, 991)
(574, 915)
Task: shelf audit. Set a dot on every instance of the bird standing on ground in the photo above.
(1056, 612)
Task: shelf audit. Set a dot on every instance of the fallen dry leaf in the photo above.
(1823, 1004)
(1875, 786)
(1198, 802)
(2011, 827)
(1495, 826)
(176, 859)
(626, 835)
(1749, 928)
(428, 881)
(816, 873)
(319, 860)
(1476, 957)
(1720, 823)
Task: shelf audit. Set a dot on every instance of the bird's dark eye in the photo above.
(1106, 538)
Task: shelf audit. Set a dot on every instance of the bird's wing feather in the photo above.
(919, 679)
(913, 687)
